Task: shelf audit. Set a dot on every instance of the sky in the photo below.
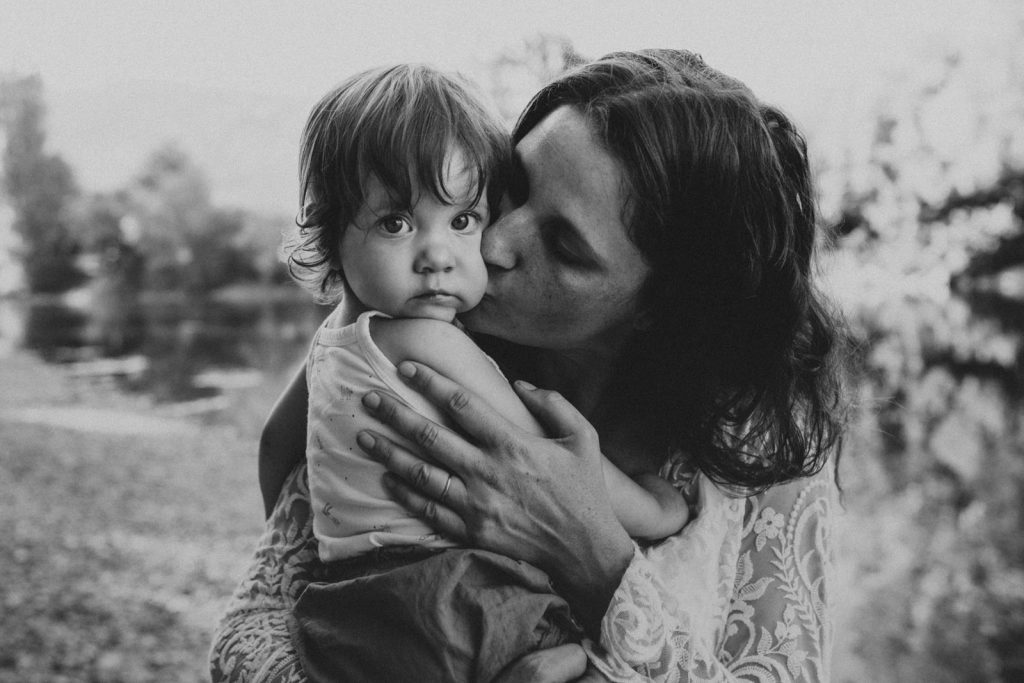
(808, 57)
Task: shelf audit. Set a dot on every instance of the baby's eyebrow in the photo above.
(385, 204)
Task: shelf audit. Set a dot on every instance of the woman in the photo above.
(654, 266)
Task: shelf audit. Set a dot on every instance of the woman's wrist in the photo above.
(589, 585)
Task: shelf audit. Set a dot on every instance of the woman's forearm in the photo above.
(283, 440)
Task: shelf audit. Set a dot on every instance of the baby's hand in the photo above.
(674, 510)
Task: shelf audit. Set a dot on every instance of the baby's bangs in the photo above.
(411, 143)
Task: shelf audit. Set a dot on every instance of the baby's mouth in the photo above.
(437, 296)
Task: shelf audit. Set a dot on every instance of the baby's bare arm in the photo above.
(648, 507)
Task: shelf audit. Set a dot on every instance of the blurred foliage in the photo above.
(160, 232)
(187, 243)
(39, 187)
(929, 204)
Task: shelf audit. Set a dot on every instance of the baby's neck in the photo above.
(349, 309)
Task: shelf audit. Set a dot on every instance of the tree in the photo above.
(40, 188)
(519, 72)
(186, 241)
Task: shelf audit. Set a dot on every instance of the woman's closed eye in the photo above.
(565, 245)
(565, 253)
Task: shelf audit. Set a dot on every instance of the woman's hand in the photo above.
(541, 500)
(561, 664)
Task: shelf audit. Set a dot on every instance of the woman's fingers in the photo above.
(473, 415)
(440, 517)
(425, 490)
(555, 665)
(435, 442)
(433, 481)
(560, 418)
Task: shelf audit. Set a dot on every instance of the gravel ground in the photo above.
(120, 546)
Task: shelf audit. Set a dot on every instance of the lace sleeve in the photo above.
(740, 595)
(252, 642)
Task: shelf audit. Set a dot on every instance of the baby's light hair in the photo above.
(401, 125)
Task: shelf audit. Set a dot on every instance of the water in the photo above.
(171, 348)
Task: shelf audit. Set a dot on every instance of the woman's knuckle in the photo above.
(553, 396)
(426, 436)
(419, 475)
(386, 452)
(490, 478)
(458, 401)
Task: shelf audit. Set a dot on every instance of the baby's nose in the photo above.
(434, 258)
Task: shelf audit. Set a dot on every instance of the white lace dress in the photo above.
(742, 593)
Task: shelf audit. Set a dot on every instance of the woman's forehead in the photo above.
(573, 178)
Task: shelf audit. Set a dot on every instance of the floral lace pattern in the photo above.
(253, 643)
(740, 594)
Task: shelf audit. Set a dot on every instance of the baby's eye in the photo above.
(465, 222)
(394, 225)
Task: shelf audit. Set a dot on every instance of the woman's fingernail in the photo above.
(365, 441)
(372, 400)
(523, 384)
(406, 369)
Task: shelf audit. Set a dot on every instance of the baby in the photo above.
(401, 167)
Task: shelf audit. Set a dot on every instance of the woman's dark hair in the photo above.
(739, 368)
(400, 124)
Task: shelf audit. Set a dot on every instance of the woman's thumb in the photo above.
(558, 417)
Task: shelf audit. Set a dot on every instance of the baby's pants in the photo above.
(425, 615)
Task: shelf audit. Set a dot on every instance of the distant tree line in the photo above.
(159, 232)
(40, 188)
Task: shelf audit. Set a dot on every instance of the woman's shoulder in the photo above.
(816, 495)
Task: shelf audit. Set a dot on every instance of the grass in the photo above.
(119, 551)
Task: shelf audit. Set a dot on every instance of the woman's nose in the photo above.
(499, 246)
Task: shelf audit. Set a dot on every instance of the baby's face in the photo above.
(422, 262)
